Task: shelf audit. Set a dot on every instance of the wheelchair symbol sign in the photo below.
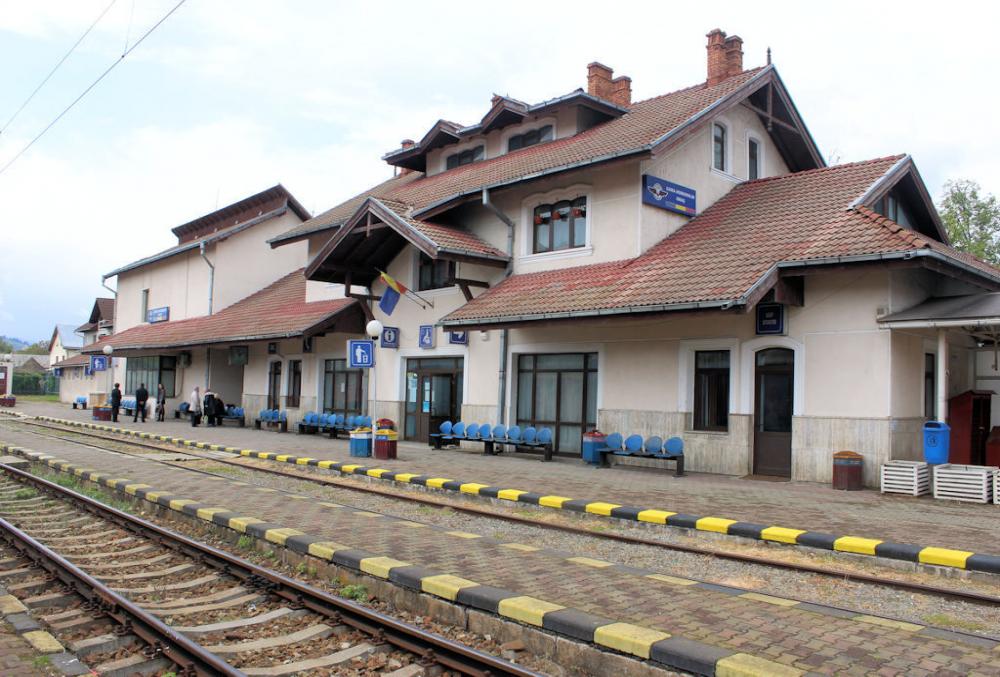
(426, 336)
(360, 353)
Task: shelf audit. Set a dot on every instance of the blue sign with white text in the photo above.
(426, 336)
(458, 338)
(667, 195)
(360, 353)
(98, 363)
(390, 337)
(154, 315)
(770, 318)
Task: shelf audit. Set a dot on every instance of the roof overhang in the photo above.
(371, 239)
(973, 311)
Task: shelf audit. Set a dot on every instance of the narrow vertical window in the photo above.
(753, 159)
(711, 390)
(294, 382)
(719, 147)
(930, 386)
(145, 305)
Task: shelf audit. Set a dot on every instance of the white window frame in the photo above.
(726, 173)
(528, 224)
(685, 378)
(144, 304)
(448, 151)
(527, 127)
(752, 136)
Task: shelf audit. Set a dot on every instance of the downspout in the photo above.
(211, 289)
(114, 292)
(504, 337)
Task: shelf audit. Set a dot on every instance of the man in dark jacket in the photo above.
(141, 397)
(116, 401)
(208, 406)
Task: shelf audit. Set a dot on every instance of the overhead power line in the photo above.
(57, 66)
(91, 86)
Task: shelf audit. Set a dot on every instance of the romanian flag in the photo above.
(390, 297)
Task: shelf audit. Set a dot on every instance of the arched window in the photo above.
(719, 159)
(558, 226)
(753, 159)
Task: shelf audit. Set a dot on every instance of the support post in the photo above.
(942, 374)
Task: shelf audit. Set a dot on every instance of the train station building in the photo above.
(683, 265)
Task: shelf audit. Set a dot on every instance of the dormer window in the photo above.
(558, 226)
(891, 208)
(530, 138)
(719, 159)
(465, 157)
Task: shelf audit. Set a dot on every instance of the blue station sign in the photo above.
(98, 363)
(667, 195)
(426, 337)
(360, 353)
(458, 338)
(770, 319)
(390, 337)
(154, 315)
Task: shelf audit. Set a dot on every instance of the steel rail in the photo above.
(870, 579)
(430, 646)
(159, 636)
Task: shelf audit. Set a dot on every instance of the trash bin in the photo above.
(937, 442)
(593, 441)
(847, 467)
(101, 413)
(361, 442)
(385, 443)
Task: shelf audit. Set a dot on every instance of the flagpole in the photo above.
(409, 291)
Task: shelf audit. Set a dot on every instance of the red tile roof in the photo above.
(277, 311)
(644, 123)
(75, 361)
(445, 238)
(717, 257)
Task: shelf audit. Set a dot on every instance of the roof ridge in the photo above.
(700, 85)
(828, 168)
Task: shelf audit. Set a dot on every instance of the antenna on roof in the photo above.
(768, 56)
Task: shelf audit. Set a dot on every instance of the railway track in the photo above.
(131, 597)
(841, 574)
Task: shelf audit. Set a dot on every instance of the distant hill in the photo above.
(17, 343)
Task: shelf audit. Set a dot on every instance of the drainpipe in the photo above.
(211, 289)
(211, 275)
(942, 374)
(504, 337)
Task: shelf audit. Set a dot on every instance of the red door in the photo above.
(3, 381)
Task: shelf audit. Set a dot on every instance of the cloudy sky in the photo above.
(229, 97)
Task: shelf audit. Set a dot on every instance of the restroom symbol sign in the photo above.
(426, 336)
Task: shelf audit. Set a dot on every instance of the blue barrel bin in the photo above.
(593, 442)
(937, 440)
(360, 444)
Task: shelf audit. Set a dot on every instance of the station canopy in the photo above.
(279, 311)
(976, 314)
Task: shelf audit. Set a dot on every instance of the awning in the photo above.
(279, 311)
(966, 311)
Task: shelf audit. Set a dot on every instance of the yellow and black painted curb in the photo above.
(917, 554)
(258, 531)
(642, 642)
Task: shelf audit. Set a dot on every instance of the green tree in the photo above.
(37, 348)
(971, 219)
(5, 346)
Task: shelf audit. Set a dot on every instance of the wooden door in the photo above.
(435, 402)
(980, 428)
(774, 379)
(274, 386)
(4, 381)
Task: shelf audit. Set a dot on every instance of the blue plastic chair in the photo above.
(499, 432)
(545, 436)
(614, 442)
(674, 447)
(472, 431)
(530, 435)
(633, 444)
(654, 445)
(514, 434)
(458, 431)
(446, 428)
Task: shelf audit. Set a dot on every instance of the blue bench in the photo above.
(651, 447)
(272, 418)
(496, 439)
(80, 401)
(235, 414)
(332, 425)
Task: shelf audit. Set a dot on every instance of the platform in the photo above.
(537, 584)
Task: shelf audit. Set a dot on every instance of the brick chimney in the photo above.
(717, 66)
(600, 84)
(734, 55)
(404, 144)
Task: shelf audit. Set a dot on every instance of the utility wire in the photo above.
(91, 86)
(58, 65)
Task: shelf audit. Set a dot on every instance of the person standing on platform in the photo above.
(116, 401)
(209, 408)
(161, 402)
(141, 397)
(195, 404)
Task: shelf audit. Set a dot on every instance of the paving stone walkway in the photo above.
(17, 658)
(801, 636)
(797, 505)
